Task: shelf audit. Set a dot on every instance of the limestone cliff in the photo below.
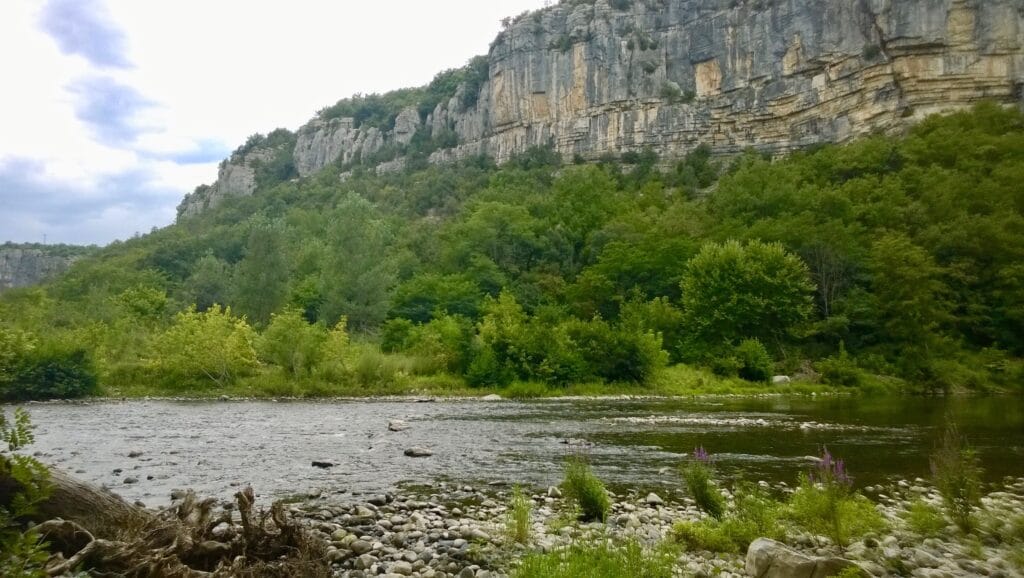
(590, 78)
(27, 265)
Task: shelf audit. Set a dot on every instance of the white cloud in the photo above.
(183, 83)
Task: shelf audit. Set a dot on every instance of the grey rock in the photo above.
(397, 425)
(770, 559)
(401, 567)
(418, 452)
(323, 464)
(781, 380)
(654, 500)
(24, 266)
(360, 547)
(131, 480)
(491, 397)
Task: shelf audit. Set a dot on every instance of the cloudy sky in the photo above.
(112, 110)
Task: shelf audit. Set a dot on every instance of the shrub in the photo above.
(585, 490)
(924, 519)
(599, 560)
(756, 514)
(957, 475)
(840, 369)
(396, 335)
(754, 362)
(291, 343)
(706, 535)
(486, 370)
(200, 348)
(826, 505)
(52, 370)
(22, 552)
(517, 522)
(697, 474)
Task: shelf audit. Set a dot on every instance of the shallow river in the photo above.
(216, 446)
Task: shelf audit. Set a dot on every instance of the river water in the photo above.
(214, 447)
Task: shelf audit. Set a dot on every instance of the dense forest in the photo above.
(886, 264)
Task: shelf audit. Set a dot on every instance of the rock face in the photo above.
(589, 79)
(235, 178)
(24, 267)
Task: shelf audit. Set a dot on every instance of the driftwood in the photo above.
(91, 528)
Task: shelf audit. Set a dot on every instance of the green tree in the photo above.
(425, 295)
(291, 343)
(733, 291)
(261, 278)
(212, 347)
(209, 284)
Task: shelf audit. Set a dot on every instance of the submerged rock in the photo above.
(418, 452)
(323, 464)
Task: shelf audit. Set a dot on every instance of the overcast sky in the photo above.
(112, 110)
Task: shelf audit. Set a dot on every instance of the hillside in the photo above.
(886, 263)
(594, 79)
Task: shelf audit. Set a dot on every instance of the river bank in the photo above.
(450, 530)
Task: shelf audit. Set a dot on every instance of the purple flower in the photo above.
(830, 471)
(701, 455)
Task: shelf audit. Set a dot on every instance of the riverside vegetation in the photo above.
(448, 530)
(887, 264)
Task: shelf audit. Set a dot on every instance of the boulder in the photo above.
(492, 397)
(398, 425)
(323, 464)
(781, 380)
(770, 559)
(418, 452)
(654, 500)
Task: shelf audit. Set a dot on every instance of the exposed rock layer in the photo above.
(778, 75)
(24, 267)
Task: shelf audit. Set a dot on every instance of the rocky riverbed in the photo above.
(448, 530)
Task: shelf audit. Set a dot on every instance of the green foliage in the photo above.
(831, 509)
(697, 475)
(291, 343)
(52, 370)
(924, 519)
(884, 261)
(599, 560)
(840, 369)
(585, 490)
(22, 551)
(753, 361)
(705, 535)
(732, 291)
(202, 349)
(518, 519)
(957, 475)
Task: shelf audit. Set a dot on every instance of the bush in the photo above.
(517, 522)
(486, 370)
(203, 348)
(924, 519)
(840, 369)
(291, 343)
(396, 335)
(52, 370)
(705, 535)
(826, 505)
(22, 552)
(598, 561)
(697, 474)
(754, 362)
(957, 475)
(755, 515)
(585, 490)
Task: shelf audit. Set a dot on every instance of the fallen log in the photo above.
(90, 527)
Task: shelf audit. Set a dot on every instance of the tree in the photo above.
(209, 284)
(425, 295)
(910, 300)
(733, 291)
(203, 348)
(291, 343)
(261, 278)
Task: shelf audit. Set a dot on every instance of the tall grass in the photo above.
(519, 516)
(697, 474)
(585, 490)
(957, 475)
(598, 561)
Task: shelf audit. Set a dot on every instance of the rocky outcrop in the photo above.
(27, 266)
(590, 79)
(235, 178)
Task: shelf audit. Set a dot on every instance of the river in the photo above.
(214, 447)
